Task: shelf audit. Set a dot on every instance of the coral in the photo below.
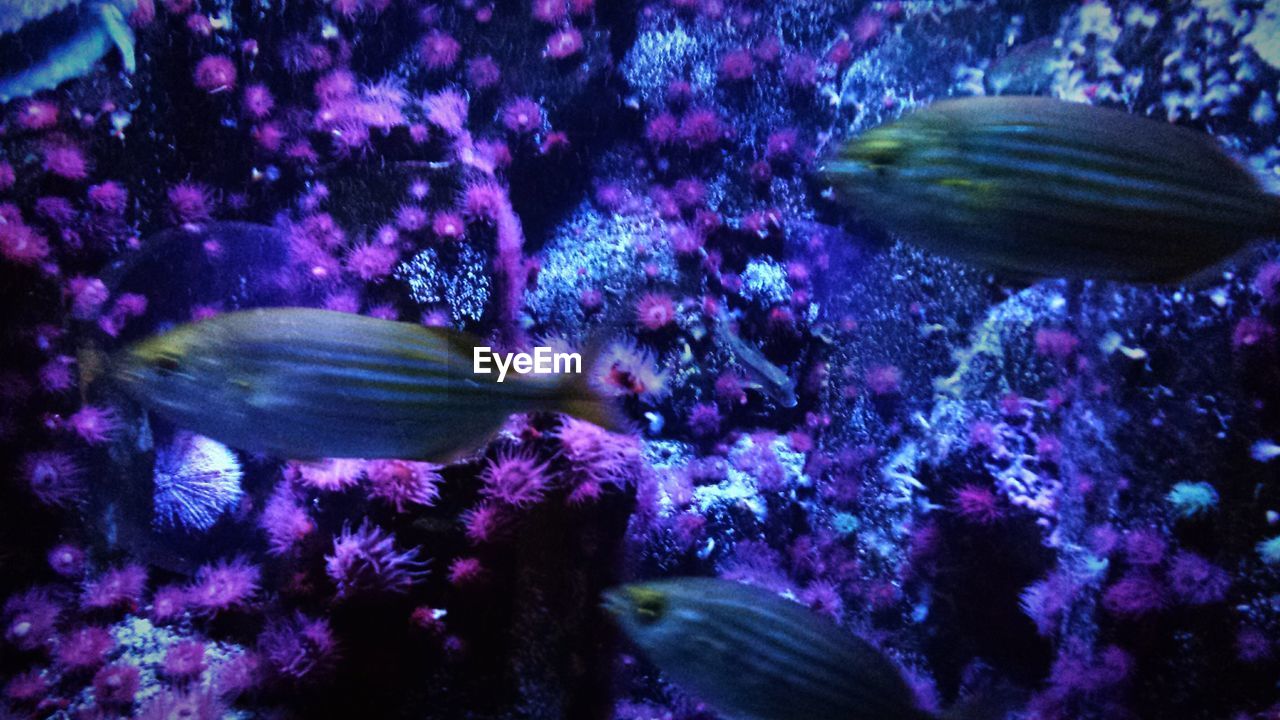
(116, 685)
(197, 479)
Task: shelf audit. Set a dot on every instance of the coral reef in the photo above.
(1069, 487)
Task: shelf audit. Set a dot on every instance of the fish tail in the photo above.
(583, 398)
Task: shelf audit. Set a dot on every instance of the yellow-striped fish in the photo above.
(752, 655)
(1039, 187)
(305, 383)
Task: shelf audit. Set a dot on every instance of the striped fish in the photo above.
(46, 42)
(1038, 187)
(305, 383)
(751, 655)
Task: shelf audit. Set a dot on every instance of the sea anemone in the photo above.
(299, 649)
(284, 520)
(84, 648)
(117, 588)
(184, 659)
(215, 74)
(53, 477)
(228, 584)
(29, 619)
(116, 685)
(438, 50)
(67, 560)
(522, 115)
(515, 478)
(366, 560)
(189, 203)
(402, 483)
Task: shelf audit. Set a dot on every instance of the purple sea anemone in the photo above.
(366, 560)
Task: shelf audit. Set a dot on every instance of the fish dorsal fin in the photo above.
(113, 22)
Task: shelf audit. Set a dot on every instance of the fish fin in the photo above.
(582, 397)
(117, 29)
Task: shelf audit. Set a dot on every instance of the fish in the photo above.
(305, 383)
(762, 374)
(753, 655)
(1038, 188)
(44, 43)
(1027, 69)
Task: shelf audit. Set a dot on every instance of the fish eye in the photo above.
(650, 606)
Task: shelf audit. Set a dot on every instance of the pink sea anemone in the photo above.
(448, 225)
(95, 425)
(168, 604)
(1134, 595)
(564, 43)
(365, 560)
(116, 685)
(466, 571)
(737, 66)
(22, 245)
(53, 477)
(228, 584)
(438, 50)
(977, 504)
(189, 203)
(258, 101)
(655, 311)
(84, 648)
(298, 650)
(484, 523)
(67, 560)
(371, 262)
(215, 74)
(30, 618)
(184, 659)
(284, 520)
(65, 160)
(483, 73)
(515, 478)
(403, 483)
(522, 115)
(116, 589)
(701, 127)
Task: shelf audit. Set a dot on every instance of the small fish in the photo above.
(1038, 187)
(1027, 69)
(305, 383)
(44, 43)
(762, 374)
(752, 655)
